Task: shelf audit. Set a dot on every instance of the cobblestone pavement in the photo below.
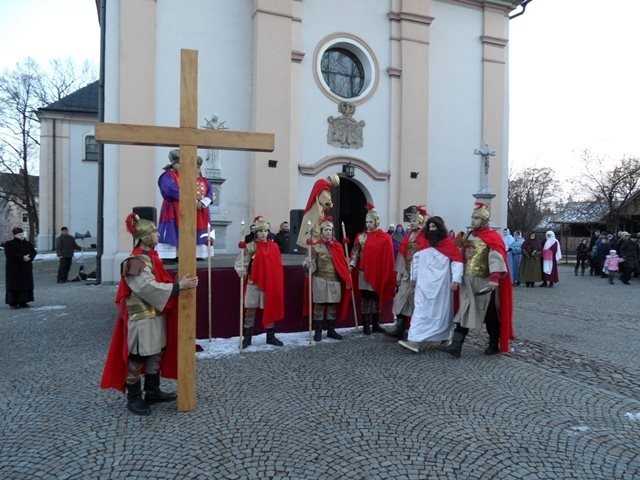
(565, 404)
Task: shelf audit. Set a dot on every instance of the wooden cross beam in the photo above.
(188, 137)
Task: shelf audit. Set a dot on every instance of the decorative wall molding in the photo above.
(394, 72)
(328, 161)
(410, 17)
(497, 42)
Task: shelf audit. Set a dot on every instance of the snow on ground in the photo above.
(46, 308)
(42, 257)
(220, 347)
(635, 416)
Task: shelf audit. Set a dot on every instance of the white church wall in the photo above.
(455, 114)
(224, 83)
(82, 184)
(111, 218)
(367, 21)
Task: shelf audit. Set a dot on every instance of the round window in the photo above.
(345, 69)
(342, 72)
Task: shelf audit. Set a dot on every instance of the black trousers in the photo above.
(63, 268)
(491, 319)
(581, 261)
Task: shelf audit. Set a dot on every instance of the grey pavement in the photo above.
(564, 405)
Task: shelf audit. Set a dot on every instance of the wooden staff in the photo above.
(209, 274)
(241, 286)
(353, 295)
(309, 245)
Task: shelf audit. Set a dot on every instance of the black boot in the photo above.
(135, 403)
(376, 324)
(317, 335)
(331, 330)
(272, 340)
(399, 329)
(366, 325)
(152, 392)
(456, 343)
(493, 347)
(247, 332)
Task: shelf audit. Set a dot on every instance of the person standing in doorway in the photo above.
(65, 247)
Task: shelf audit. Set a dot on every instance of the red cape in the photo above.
(336, 250)
(377, 262)
(447, 246)
(495, 242)
(116, 366)
(317, 188)
(420, 239)
(268, 274)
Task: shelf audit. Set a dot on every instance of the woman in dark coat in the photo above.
(19, 272)
(531, 267)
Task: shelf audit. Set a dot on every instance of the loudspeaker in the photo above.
(148, 213)
(295, 221)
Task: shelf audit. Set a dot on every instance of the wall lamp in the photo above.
(349, 170)
(273, 163)
(414, 174)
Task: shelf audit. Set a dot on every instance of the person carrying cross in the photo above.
(146, 324)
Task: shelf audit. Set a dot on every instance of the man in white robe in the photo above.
(437, 273)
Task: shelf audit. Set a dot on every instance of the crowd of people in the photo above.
(609, 256)
(531, 261)
(442, 284)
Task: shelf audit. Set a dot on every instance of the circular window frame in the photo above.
(362, 52)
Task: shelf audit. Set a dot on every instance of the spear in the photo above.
(241, 285)
(211, 235)
(353, 296)
(309, 245)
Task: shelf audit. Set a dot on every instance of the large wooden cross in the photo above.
(188, 137)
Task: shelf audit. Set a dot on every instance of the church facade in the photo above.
(393, 95)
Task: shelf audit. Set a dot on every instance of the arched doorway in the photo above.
(349, 206)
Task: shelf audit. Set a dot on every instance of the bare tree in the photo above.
(612, 185)
(533, 192)
(22, 92)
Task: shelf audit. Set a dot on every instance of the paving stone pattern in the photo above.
(565, 404)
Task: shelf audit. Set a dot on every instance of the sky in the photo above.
(573, 70)
(574, 76)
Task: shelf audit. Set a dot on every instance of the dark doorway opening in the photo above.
(349, 206)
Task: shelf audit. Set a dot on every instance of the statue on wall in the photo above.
(344, 131)
(212, 167)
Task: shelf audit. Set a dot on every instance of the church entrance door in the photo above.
(349, 206)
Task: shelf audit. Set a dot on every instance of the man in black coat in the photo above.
(19, 272)
(282, 237)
